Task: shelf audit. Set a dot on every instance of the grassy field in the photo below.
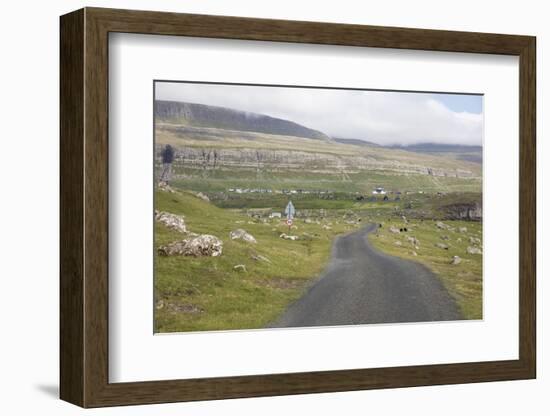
(464, 280)
(206, 293)
(429, 204)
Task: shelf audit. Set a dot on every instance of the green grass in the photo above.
(463, 281)
(362, 181)
(206, 293)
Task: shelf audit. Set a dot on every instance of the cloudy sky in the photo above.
(379, 116)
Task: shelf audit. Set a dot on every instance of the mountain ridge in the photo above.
(201, 115)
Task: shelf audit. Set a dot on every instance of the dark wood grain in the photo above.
(84, 207)
(71, 184)
(528, 207)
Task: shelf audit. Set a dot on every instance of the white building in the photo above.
(379, 191)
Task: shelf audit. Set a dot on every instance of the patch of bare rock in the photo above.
(240, 234)
(171, 221)
(202, 245)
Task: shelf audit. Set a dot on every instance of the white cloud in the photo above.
(381, 117)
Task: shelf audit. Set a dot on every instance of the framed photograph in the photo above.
(257, 207)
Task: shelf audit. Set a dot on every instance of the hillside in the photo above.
(356, 142)
(216, 159)
(208, 293)
(455, 151)
(198, 115)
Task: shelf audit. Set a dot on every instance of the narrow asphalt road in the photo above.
(361, 285)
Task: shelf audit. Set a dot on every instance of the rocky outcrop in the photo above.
(202, 196)
(163, 186)
(171, 221)
(474, 240)
(456, 260)
(441, 225)
(259, 257)
(240, 234)
(202, 245)
(473, 250)
(469, 211)
(209, 159)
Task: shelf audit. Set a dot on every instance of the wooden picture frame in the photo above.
(84, 207)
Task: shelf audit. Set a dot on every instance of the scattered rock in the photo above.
(202, 196)
(394, 230)
(308, 221)
(281, 283)
(398, 243)
(473, 250)
(240, 268)
(241, 234)
(183, 308)
(163, 186)
(413, 240)
(414, 253)
(202, 245)
(327, 227)
(172, 221)
(259, 257)
(288, 237)
(462, 230)
(456, 260)
(441, 226)
(443, 246)
(444, 237)
(404, 219)
(459, 240)
(475, 240)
